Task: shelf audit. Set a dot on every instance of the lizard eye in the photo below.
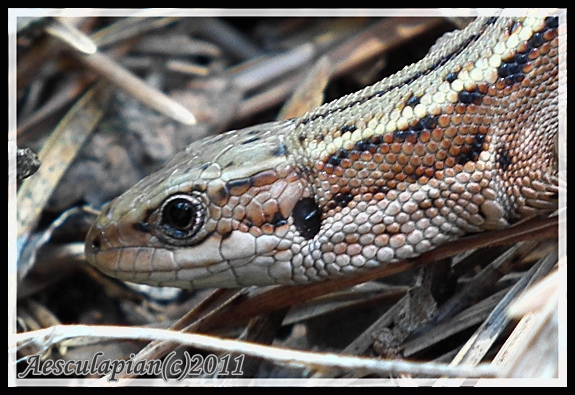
(181, 216)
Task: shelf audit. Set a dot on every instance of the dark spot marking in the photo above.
(413, 101)
(504, 159)
(536, 40)
(552, 22)
(141, 227)
(250, 140)
(254, 132)
(361, 146)
(451, 77)
(348, 128)
(408, 134)
(521, 58)
(512, 69)
(307, 218)
(341, 153)
(470, 97)
(416, 127)
(334, 160)
(429, 122)
(507, 69)
(204, 166)
(491, 20)
(377, 140)
(342, 199)
(230, 164)
(471, 152)
(280, 150)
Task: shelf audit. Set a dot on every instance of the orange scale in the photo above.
(396, 148)
(333, 179)
(550, 34)
(458, 140)
(450, 161)
(415, 160)
(407, 148)
(384, 167)
(428, 160)
(384, 148)
(400, 177)
(459, 109)
(355, 183)
(402, 159)
(419, 149)
(365, 156)
(468, 117)
(419, 172)
(444, 145)
(396, 168)
(354, 156)
(443, 121)
(357, 165)
(478, 119)
(390, 158)
(471, 109)
(437, 135)
(447, 109)
(408, 169)
(424, 137)
(482, 87)
(388, 176)
(544, 49)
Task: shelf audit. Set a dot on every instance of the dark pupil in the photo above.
(180, 214)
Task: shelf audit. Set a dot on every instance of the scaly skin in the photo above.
(463, 141)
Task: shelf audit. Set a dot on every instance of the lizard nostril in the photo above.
(95, 245)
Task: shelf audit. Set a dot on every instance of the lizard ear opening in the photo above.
(307, 217)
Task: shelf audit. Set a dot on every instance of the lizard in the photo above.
(463, 141)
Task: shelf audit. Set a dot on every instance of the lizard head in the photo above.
(226, 212)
